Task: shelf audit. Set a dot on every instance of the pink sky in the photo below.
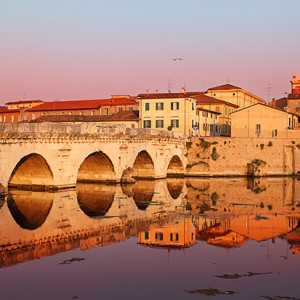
(59, 50)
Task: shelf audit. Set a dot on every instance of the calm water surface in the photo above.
(168, 239)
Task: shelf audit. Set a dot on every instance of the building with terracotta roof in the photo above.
(260, 120)
(168, 111)
(218, 109)
(83, 107)
(234, 94)
(291, 102)
(128, 118)
(14, 111)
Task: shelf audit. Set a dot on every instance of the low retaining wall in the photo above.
(221, 156)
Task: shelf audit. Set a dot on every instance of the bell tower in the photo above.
(295, 85)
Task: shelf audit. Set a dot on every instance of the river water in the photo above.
(169, 239)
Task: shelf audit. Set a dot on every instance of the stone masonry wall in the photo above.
(221, 156)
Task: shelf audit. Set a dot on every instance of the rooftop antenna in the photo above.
(169, 85)
(228, 78)
(269, 88)
(24, 97)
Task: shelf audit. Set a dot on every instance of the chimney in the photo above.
(147, 92)
(156, 91)
(183, 90)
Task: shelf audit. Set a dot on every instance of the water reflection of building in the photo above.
(220, 234)
(181, 234)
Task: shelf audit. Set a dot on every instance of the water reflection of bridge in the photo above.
(167, 213)
(37, 224)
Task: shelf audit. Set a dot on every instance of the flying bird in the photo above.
(177, 58)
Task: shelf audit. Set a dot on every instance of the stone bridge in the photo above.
(57, 156)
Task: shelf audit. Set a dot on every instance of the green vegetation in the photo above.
(270, 207)
(270, 144)
(188, 144)
(262, 146)
(261, 205)
(205, 144)
(189, 166)
(258, 162)
(214, 154)
(293, 142)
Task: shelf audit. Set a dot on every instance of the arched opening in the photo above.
(143, 192)
(95, 199)
(143, 166)
(175, 187)
(97, 167)
(32, 173)
(175, 167)
(29, 209)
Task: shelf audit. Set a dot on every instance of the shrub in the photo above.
(270, 144)
(261, 146)
(214, 154)
(188, 145)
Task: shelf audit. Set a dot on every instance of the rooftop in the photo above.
(204, 99)
(226, 86)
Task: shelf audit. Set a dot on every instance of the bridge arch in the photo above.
(32, 172)
(96, 167)
(175, 167)
(143, 166)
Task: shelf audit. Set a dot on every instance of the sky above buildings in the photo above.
(88, 49)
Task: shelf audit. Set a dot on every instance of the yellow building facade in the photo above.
(263, 121)
(168, 111)
(222, 108)
(207, 122)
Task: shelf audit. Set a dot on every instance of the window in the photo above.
(146, 235)
(106, 110)
(93, 113)
(174, 105)
(258, 128)
(159, 106)
(132, 125)
(147, 106)
(211, 127)
(70, 113)
(81, 113)
(193, 105)
(147, 123)
(204, 114)
(130, 108)
(217, 109)
(159, 123)
(274, 133)
(175, 123)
